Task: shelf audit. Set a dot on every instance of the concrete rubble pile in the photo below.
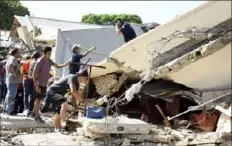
(155, 106)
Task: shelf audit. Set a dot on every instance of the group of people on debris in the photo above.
(26, 82)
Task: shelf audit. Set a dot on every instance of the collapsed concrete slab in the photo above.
(115, 125)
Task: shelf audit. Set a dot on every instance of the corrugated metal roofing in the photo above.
(61, 24)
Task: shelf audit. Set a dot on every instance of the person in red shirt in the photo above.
(27, 89)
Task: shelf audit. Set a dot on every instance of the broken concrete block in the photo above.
(206, 138)
(116, 125)
(183, 142)
(91, 135)
(224, 122)
(150, 137)
(177, 135)
(126, 142)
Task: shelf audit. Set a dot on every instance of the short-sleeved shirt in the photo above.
(31, 68)
(25, 69)
(42, 70)
(128, 32)
(62, 86)
(74, 68)
(10, 79)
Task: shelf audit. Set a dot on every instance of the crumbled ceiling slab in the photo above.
(134, 56)
(211, 73)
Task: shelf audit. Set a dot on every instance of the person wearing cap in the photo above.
(26, 86)
(56, 92)
(76, 58)
(34, 57)
(126, 29)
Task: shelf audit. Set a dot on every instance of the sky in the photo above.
(149, 11)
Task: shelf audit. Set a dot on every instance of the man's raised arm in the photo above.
(60, 65)
(88, 51)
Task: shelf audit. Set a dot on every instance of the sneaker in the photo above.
(25, 112)
(39, 120)
(64, 130)
(31, 114)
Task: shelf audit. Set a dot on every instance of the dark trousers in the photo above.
(28, 92)
(18, 102)
(47, 102)
(31, 98)
(3, 89)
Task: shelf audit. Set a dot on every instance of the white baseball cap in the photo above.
(76, 46)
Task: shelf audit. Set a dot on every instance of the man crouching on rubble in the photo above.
(57, 91)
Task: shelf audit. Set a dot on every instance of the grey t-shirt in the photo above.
(31, 68)
(42, 70)
(62, 86)
(10, 79)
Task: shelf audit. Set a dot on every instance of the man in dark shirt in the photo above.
(76, 57)
(56, 92)
(126, 29)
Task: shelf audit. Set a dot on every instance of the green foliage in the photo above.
(106, 19)
(9, 8)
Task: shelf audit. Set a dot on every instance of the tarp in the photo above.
(104, 39)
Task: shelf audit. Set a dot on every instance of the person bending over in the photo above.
(126, 29)
(41, 76)
(56, 92)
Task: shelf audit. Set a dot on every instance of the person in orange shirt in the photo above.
(27, 89)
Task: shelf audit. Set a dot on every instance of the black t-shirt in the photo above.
(74, 68)
(128, 32)
(62, 86)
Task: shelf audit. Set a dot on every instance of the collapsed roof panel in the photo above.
(134, 54)
(30, 22)
(211, 73)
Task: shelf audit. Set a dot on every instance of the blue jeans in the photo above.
(28, 92)
(10, 96)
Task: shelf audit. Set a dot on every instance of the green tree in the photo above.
(106, 19)
(9, 8)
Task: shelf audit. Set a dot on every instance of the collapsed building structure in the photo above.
(162, 77)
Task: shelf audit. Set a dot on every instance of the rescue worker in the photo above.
(126, 29)
(76, 58)
(27, 89)
(56, 92)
